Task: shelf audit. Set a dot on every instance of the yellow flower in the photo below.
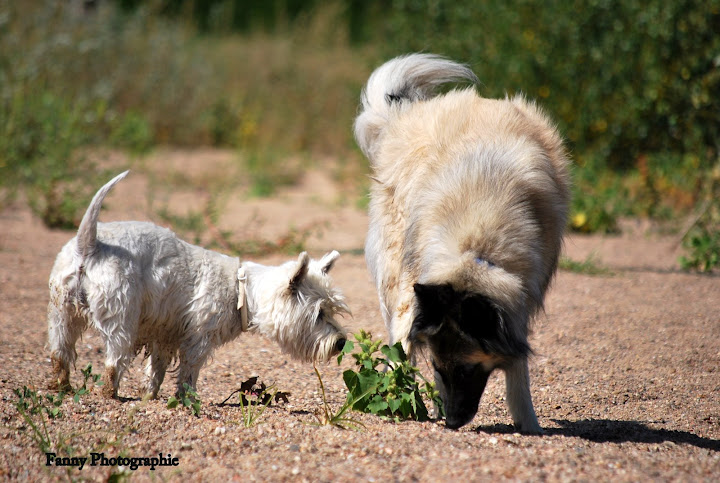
(579, 220)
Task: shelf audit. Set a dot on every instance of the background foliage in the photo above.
(634, 86)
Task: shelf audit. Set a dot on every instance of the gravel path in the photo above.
(626, 376)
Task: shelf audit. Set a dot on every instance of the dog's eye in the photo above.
(321, 314)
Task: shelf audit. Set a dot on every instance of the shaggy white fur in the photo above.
(142, 287)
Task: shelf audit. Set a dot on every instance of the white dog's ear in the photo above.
(328, 261)
(300, 272)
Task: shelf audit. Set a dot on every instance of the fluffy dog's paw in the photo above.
(531, 428)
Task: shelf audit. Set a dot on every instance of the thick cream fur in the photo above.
(459, 178)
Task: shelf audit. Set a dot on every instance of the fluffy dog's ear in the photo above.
(482, 321)
(433, 302)
(479, 318)
(328, 261)
(435, 295)
(300, 272)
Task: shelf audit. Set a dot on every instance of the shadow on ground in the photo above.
(611, 431)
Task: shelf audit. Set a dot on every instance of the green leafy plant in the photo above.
(188, 398)
(39, 151)
(396, 393)
(254, 398)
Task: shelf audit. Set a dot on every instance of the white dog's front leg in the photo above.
(155, 371)
(188, 372)
(114, 368)
(519, 400)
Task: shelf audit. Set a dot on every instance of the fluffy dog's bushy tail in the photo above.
(401, 81)
(87, 233)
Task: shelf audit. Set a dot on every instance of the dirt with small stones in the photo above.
(625, 377)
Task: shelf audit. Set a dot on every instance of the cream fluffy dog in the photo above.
(467, 214)
(142, 287)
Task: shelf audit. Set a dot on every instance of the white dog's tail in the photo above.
(87, 233)
(398, 82)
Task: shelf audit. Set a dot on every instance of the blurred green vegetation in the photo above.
(634, 85)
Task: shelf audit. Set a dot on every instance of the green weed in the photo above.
(291, 242)
(191, 224)
(188, 399)
(589, 266)
(199, 225)
(34, 409)
(270, 170)
(38, 409)
(87, 376)
(702, 240)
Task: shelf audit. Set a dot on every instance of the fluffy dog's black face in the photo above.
(467, 338)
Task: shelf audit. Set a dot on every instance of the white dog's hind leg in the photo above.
(519, 400)
(119, 332)
(64, 329)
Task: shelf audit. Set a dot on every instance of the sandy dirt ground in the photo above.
(625, 377)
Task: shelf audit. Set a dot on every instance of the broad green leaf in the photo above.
(394, 404)
(377, 405)
(394, 353)
(405, 408)
(347, 349)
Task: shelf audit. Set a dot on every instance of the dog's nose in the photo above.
(340, 344)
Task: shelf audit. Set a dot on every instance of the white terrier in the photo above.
(141, 287)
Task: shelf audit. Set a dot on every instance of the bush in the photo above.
(702, 239)
(71, 79)
(623, 77)
(633, 84)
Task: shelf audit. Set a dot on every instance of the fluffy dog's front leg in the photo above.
(519, 400)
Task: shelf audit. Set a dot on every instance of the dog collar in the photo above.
(242, 297)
